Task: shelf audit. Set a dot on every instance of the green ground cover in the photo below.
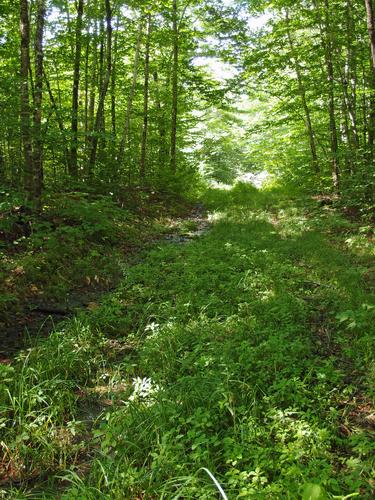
(243, 358)
(73, 247)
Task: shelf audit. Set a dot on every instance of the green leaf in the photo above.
(313, 492)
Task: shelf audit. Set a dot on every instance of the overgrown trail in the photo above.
(245, 353)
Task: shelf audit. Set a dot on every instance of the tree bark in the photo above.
(302, 93)
(163, 150)
(371, 29)
(59, 119)
(129, 104)
(331, 103)
(113, 86)
(142, 165)
(103, 91)
(37, 132)
(73, 170)
(326, 36)
(91, 105)
(25, 111)
(173, 156)
(87, 56)
(351, 74)
(371, 33)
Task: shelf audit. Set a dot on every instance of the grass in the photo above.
(240, 364)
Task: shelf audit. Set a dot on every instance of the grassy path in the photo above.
(246, 355)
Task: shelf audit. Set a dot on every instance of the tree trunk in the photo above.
(364, 105)
(91, 110)
(37, 133)
(87, 56)
(371, 29)
(129, 105)
(59, 119)
(102, 72)
(103, 92)
(331, 103)
(371, 32)
(73, 170)
(302, 93)
(142, 165)
(326, 36)
(173, 158)
(113, 86)
(351, 75)
(163, 150)
(24, 100)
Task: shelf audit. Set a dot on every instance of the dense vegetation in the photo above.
(167, 329)
(115, 94)
(247, 352)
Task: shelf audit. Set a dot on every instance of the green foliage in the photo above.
(38, 402)
(223, 152)
(229, 354)
(76, 242)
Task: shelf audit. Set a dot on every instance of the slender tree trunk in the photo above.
(331, 103)
(59, 120)
(142, 165)
(101, 77)
(103, 91)
(326, 36)
(73, 170)
(351, 74)
(87, 56)
(302, 93)
(348, 109)
(2, 165)
(129, 104)
(371, 32)
(25, 101)
(91, 111)
(113, 86)
(364, 107)
(350, 106)
(101, 54)
(346, 135)
(173, 156)
(69, 28)
(38, 141)
(371, 29)
(163, 151)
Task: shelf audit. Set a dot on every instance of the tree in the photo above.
(38, 97)
(142, 165)
(25, 103)
(73, 170)
(103, 92)
(174, 87)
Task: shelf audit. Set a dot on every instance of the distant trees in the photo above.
(101, 96)
(314, 64)
(110, 95)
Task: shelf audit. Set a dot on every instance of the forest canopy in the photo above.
(115, 93)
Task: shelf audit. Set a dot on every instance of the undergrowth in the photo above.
(240, 364)
(77, 242)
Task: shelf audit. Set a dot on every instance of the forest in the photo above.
(187, 272)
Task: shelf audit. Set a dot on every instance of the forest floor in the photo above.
(235, 361)
(64, 258)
